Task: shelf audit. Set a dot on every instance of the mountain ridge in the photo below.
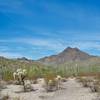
(68, 54)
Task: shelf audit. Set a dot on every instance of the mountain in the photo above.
(19, 62)
(23, 58)
(68, 55)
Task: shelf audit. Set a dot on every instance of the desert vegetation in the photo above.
(48, 77)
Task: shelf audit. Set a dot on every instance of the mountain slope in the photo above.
(68, 55)
(17, 63)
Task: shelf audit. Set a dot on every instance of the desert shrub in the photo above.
(34, 72)
(6, 73)
(6, 97)
(49, 76)
(16, 98)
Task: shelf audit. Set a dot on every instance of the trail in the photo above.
(73, 91)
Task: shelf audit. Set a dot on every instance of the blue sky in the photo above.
(38, 28)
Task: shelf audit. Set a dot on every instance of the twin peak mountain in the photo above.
(69, 54)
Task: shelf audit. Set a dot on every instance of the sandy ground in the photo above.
(72, 90)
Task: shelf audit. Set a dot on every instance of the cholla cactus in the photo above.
(27, 86)
(58, 80)
(20, 74)
(54, 84)
(50, 85)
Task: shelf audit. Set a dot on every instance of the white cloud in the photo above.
(84, 45)
(49, 44)
(39, 44)
(10, 55)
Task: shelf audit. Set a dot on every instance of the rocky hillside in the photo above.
(68, 55)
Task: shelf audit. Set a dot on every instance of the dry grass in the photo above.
(90, 82)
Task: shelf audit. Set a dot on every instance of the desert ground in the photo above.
(71, 90)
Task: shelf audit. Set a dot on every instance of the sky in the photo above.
(38, 28)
